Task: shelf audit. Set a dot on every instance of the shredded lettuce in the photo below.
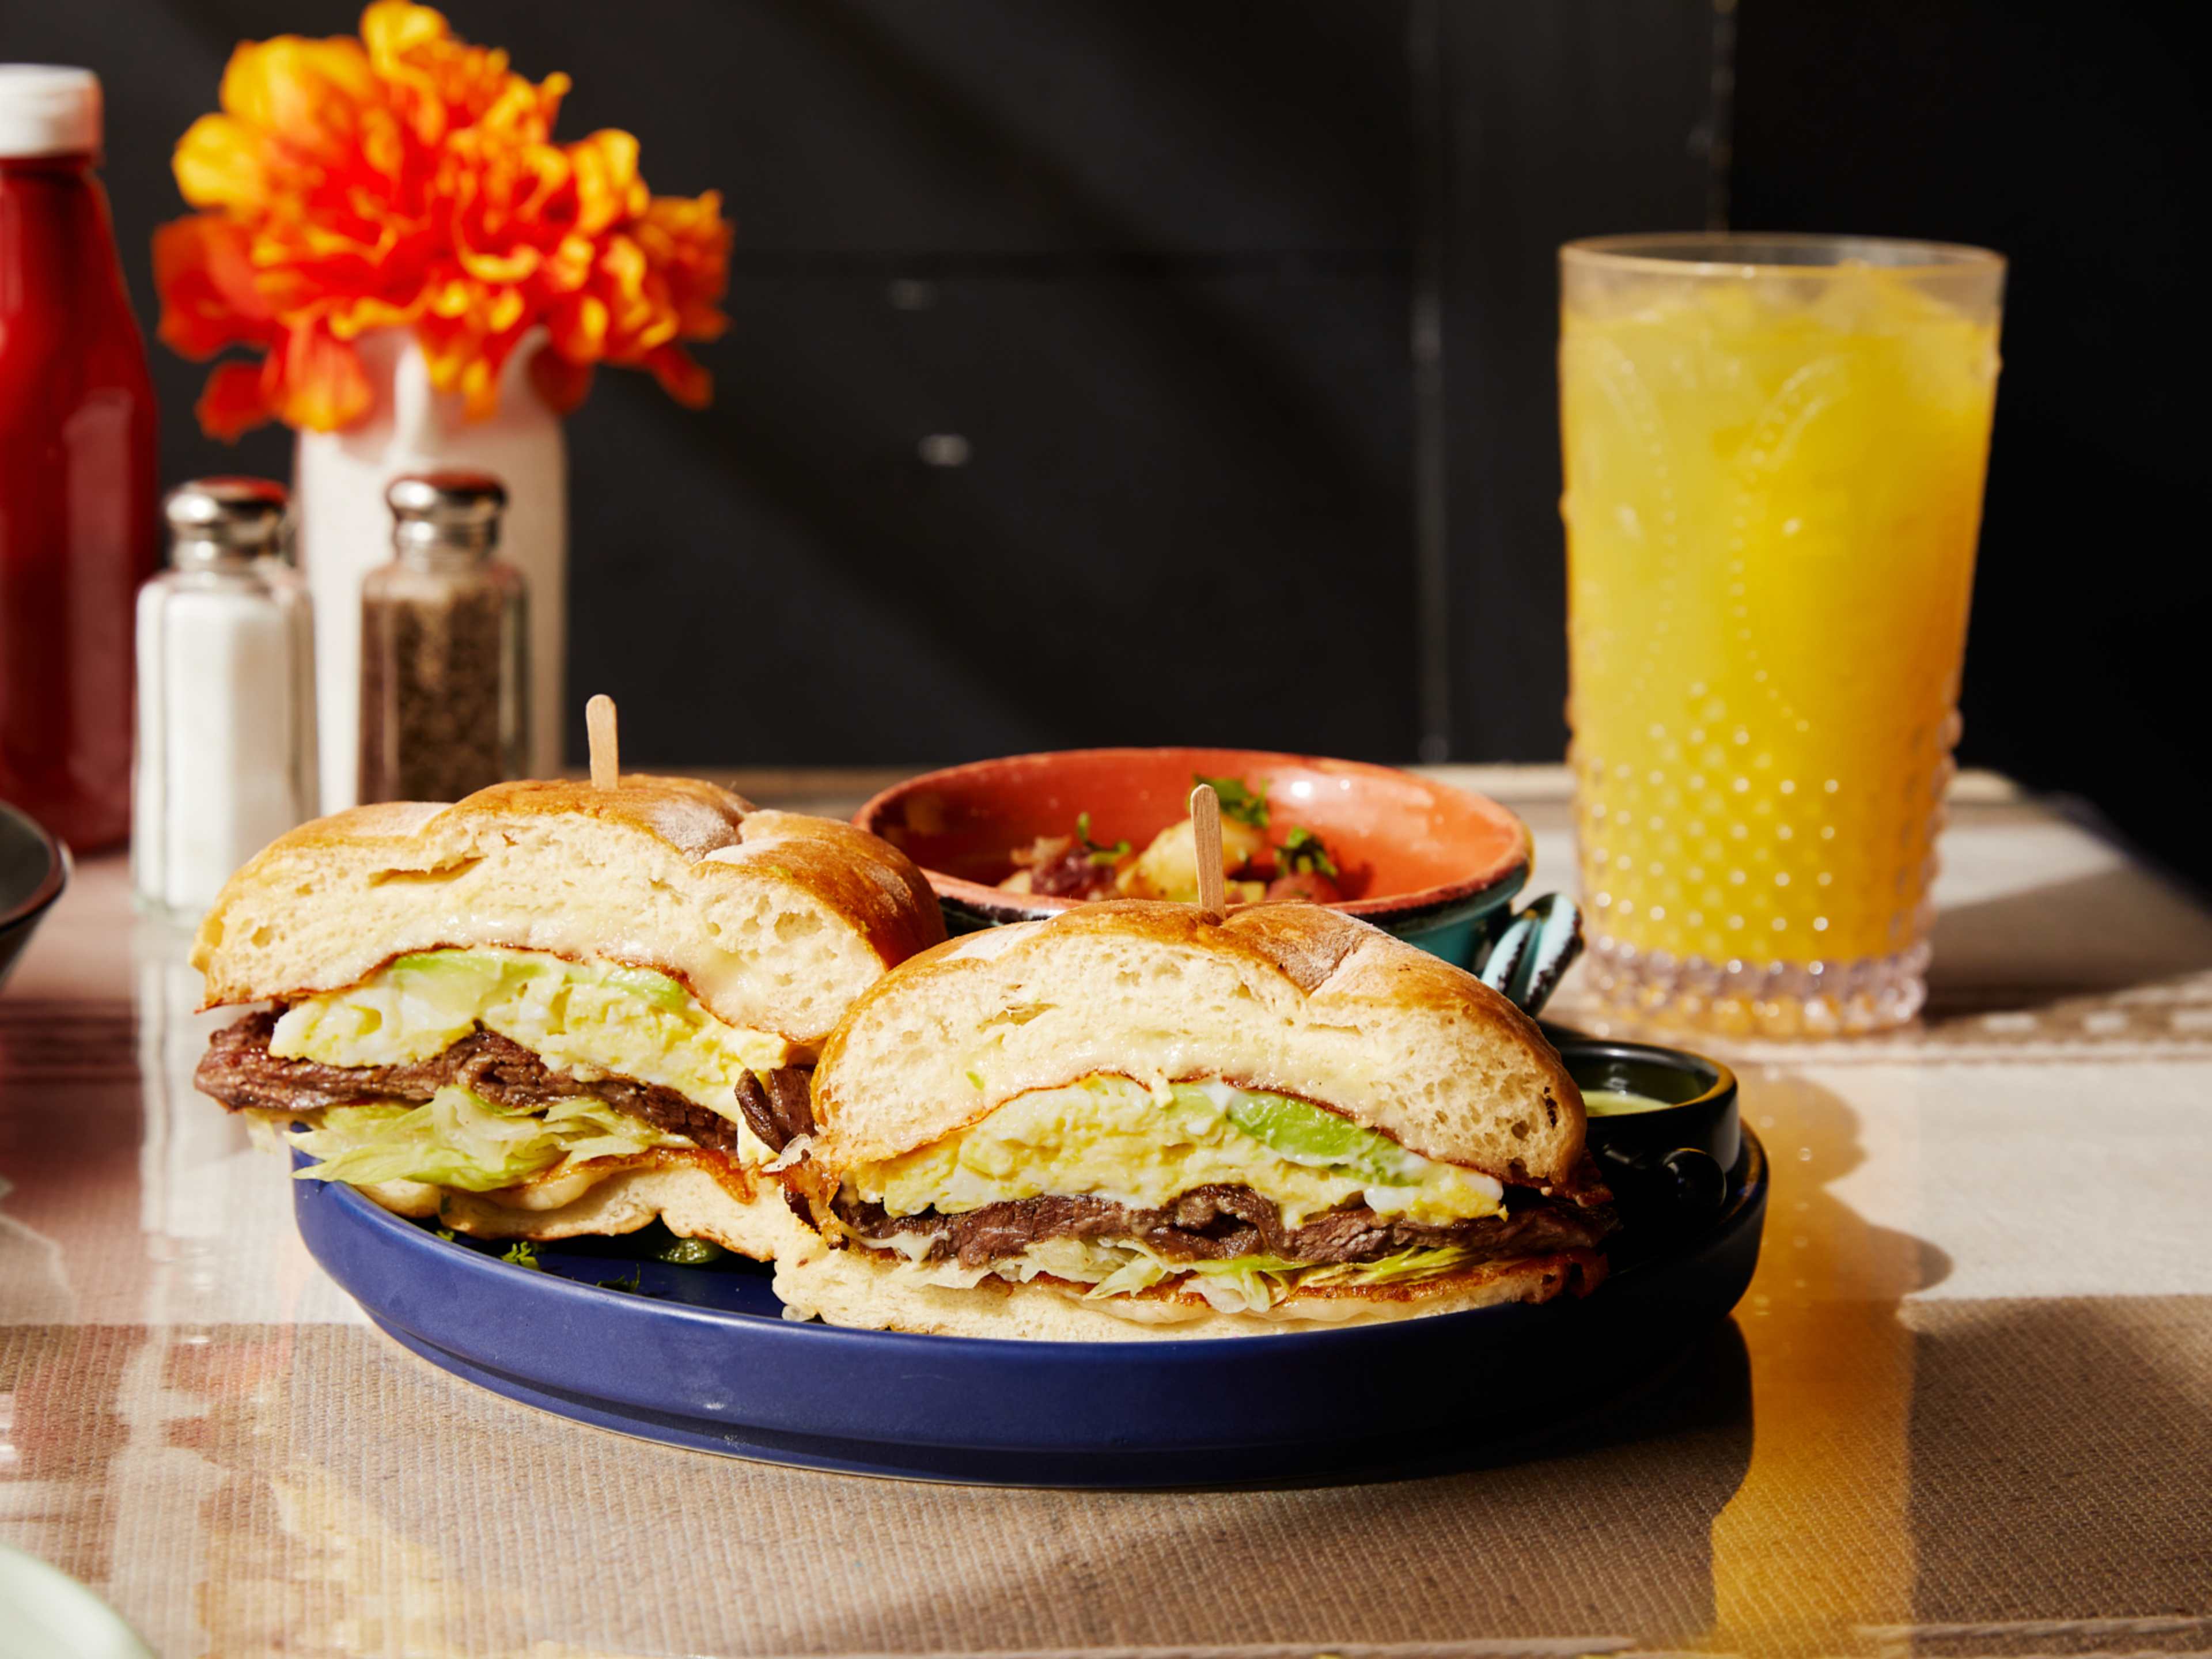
(1240, 1283)
(1231, 1267)
(457, 1138)
(1255, 1284)
(1243, 1284)
(1406, 1266)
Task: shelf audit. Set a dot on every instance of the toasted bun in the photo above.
(776, 921)
(1285, 997)
(748, 1217)
(865, 1288)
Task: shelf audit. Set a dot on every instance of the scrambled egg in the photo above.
(1111, 1138)
(586, 1019)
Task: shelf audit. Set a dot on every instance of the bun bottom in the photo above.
(859, 1287)
(687, 1198)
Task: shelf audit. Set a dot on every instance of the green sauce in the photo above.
(1612, 1102)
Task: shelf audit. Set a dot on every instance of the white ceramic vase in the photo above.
(344, 530)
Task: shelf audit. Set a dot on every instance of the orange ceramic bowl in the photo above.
(1434, 864)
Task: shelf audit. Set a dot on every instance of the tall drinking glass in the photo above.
(1774, 449)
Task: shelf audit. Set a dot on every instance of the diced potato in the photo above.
(1168, 869)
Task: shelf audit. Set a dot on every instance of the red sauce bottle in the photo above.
(78, 533)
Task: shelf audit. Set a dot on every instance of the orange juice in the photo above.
(1773, 489)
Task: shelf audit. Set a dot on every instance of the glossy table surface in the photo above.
(1966, 1409)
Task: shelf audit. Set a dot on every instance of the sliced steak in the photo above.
(998, 1229)
(1213, 1223)
(782, 1110)
(508, 1074)
(239, 1071)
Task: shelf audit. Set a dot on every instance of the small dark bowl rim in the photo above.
(1723, 1079)
(1630, 1143)
(992, 904)
(51, 885)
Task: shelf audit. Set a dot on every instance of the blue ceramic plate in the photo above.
(701, 1356)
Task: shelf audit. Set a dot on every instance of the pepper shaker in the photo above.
(444, 689)
(226, 751)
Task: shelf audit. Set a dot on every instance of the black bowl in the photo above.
(34, 867)
(1671, 1166)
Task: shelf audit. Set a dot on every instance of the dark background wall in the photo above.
(2074, 141)
(1147, 370)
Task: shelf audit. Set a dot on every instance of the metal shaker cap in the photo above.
(48, 109)
(225, 520)
(445, 512)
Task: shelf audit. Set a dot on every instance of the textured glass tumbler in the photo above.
(1774, 449)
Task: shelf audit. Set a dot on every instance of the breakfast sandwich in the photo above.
(1134, 1120)
(553, 1009)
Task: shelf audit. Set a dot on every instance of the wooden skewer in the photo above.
(1206, 831)
(600, 725)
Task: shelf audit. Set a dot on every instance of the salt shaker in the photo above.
(445, 686)
(226, 751)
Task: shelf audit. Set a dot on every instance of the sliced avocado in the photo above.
(656, 988)
(456, 966)
(460, 978)
(1192, 1109)
(450, 965)
(1306, 1133)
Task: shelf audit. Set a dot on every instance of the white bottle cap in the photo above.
(48, 110)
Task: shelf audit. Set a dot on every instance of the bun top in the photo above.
(1290, 998)
(776, 921)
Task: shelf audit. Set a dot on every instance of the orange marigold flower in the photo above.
(408, 180)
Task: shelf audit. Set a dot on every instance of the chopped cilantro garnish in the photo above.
(1099, 851)
(1245, 806)
(522, 1253)
(691, 1252)
(1301, 851)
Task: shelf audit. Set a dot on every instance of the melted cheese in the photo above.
(1109, 1137)
(589, 1019)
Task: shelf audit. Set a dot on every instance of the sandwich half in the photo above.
(1129, 1121)
(550, 1009)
